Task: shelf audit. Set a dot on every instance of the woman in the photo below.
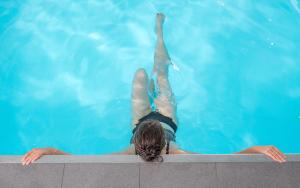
(154, 127)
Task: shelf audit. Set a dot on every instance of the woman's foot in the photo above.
(160, 18)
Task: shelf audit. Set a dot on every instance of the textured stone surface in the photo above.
(179, 175)
(101, 175)
(33, 176)
(252, 175)
(201, 171)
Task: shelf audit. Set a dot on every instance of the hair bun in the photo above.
(152, 152)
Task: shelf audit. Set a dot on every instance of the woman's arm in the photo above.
(270, 151)
(128, 151)
(180, 151)
(123, 152)
(37, 153)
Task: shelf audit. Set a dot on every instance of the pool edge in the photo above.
(190, 158)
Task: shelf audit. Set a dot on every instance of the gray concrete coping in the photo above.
(183, 158)
(130, 171)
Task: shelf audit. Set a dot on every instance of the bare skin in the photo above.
(270, 151)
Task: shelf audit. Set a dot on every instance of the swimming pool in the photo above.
(66, 69)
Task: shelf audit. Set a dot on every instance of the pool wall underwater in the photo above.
(192, 171)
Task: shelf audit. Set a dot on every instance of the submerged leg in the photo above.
(139, 98)
(165, 101)
(161, 56)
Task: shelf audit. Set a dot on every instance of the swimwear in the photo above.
(167, 123)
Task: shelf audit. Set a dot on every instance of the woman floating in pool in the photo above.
(154, 130)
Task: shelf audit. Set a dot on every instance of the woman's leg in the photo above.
(139, 98)
(165, 101)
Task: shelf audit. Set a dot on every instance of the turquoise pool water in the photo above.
(66, 69)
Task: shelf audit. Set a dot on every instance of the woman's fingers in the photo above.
(271, 156)
(36, 157)
(275, 154)
(30, 157)
(26, 161)
(279, 156)
(280, 153)
(26, 155)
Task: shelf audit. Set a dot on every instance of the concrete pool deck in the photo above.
(129, 171)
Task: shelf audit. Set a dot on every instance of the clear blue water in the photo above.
(66, 69)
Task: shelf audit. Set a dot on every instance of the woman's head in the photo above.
(149, 140)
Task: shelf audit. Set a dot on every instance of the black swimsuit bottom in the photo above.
(158, 116)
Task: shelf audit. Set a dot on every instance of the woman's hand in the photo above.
(271, 152)
(36, 153)
(33, 155)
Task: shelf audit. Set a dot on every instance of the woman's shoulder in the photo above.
(173, 148)
(173, 145)
(130, 150)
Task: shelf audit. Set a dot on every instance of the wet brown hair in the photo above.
(149, 140)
